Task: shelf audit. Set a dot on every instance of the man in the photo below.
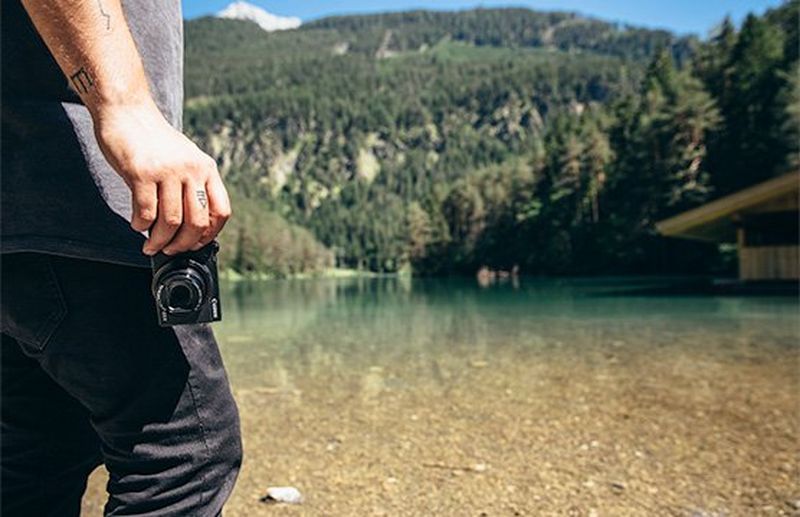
(92, 159)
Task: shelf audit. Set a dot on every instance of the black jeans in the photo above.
(88, 377)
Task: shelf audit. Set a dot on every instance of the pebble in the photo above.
(390, 483)
(284, 494)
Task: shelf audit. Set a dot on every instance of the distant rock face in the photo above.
(267, 21)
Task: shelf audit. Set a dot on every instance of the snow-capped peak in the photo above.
(267, 21)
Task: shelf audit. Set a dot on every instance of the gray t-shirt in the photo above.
(59, 194)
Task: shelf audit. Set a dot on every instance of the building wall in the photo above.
(769, 263)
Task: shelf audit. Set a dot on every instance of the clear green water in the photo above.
(440, 397)
(358, 322)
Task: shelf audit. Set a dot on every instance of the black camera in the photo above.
(186, 287)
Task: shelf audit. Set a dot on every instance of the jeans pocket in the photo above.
(32, 303)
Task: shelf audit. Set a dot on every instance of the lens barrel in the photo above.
(181, 291)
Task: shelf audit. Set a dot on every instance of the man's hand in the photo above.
(177, 190)
(176, 187)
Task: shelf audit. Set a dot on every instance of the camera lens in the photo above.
(181, 291)
(181, 296)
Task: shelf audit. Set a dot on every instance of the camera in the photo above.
(186, 287)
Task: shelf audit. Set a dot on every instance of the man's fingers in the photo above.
(195, 219)
(219, 210)
(170, 217)
(145, 206)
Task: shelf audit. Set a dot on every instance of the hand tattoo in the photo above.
(81, 80)
(201, 197)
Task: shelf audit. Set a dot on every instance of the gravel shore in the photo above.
(613, 429)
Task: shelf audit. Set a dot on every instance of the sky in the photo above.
(681, 16)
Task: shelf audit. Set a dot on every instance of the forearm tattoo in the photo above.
(105, 14)
(201, 198)
(81, 80)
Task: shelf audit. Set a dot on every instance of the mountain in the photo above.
(267, 21)
(448, 141)
(509, 27)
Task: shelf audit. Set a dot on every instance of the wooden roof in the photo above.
(716, 221)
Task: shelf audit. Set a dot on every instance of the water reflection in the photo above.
(306, 328)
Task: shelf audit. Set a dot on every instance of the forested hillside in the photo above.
(500, 138)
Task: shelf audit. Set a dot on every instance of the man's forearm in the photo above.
(176, 191)
(92, 44)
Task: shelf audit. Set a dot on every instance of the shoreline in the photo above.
(648, 285)
(230, 275)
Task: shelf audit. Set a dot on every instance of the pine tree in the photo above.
(789, 104)
(749, 150)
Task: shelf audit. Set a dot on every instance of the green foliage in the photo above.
(512, 28)
(262, 242)
(788, 107)
(749, 73)
(493, 137)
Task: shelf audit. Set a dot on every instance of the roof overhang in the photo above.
(717, 221)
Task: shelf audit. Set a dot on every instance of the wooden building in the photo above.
(762, 220)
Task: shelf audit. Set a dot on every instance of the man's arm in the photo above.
(176, 187)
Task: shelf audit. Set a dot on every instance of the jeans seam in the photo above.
(51, 324)
(206, 447)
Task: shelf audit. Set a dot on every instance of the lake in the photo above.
(399, 396)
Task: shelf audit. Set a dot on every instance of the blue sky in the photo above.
(683, 16)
